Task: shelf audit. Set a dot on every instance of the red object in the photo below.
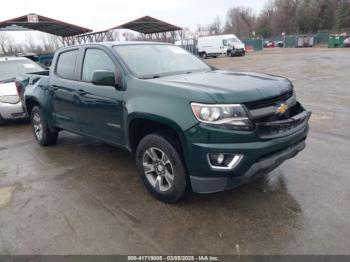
(249, 49)
(270, 45)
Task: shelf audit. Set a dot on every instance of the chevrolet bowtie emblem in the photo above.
(281, 109)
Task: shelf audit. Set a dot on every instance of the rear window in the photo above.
(13, 68)
(66, 64)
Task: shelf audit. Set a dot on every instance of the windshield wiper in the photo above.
(8, 80)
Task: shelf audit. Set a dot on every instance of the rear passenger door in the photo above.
(101, 107)
(63, 90)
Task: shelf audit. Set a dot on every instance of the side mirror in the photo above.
(106, 78)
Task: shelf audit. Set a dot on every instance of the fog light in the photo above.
(221, 161)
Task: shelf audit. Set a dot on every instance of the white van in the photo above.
(213, 46)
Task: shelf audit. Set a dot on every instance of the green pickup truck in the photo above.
(191, 127)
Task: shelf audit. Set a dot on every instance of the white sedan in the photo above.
(10, 103)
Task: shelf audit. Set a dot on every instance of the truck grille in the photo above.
(269, 101)
(273, 127)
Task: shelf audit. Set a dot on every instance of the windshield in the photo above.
(155, 60)
(10, 69)
(234, 40)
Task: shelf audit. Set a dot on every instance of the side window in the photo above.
(95, 59)
(224, 42)
(66, 64)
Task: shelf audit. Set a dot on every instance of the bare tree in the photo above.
(216, 26)
(240, 21)
(54, 41)
(342, 14)
(30, 42)
(113, 35)
(50, 43)
(3, 39)
(264, 23)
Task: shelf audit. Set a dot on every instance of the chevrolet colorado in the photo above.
(189, 125)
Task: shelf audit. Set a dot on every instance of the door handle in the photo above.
(82, 92)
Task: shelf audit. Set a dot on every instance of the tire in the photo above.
(42, 133)
(2, 121)
(204, 55)
(161, 168)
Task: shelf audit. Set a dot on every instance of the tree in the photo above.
(240, 21)
(342, 14)
(30, 43)
(113, 35)
(264, 24)
(215, 27)
(3, 39)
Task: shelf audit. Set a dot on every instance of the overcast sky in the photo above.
(104, 14)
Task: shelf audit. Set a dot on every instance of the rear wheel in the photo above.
(41, 130)
(204, 55)
(161, 167)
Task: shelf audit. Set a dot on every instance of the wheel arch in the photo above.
(140, 125)
(30, 103)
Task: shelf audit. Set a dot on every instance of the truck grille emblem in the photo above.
(281, 109)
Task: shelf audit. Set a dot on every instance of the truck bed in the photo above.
(30, 80)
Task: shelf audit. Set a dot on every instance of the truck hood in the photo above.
(8, 89)
(230, 87)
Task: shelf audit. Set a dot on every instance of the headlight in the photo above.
(226, 116)
(9, 99)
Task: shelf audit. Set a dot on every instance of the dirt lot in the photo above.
(84, 197)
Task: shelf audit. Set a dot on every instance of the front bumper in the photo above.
(260, 168)
(12, 111)
(260, 156)
(240, 51)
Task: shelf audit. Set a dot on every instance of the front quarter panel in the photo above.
(161, 101)
(168, 105)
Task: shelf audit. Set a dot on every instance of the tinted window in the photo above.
(96, 59)
(13, 68)
(66, 64)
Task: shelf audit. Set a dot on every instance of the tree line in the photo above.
(283, 16)
(42, 44)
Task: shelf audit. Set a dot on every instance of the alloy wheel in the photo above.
(38, 127)
(158, 169)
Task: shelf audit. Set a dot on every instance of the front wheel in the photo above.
(161, 167)
(41, 130)
(2, 121)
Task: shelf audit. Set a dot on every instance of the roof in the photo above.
(45, 24)
(11, 58)
(148, 25)
(116, 43)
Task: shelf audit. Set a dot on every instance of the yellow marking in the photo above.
(5, 195)
(282, 109)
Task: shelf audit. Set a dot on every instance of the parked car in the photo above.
(213, 46)
(191, 127)
(279, 43)
(269, 44)
(10, 103)
(347, 42)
